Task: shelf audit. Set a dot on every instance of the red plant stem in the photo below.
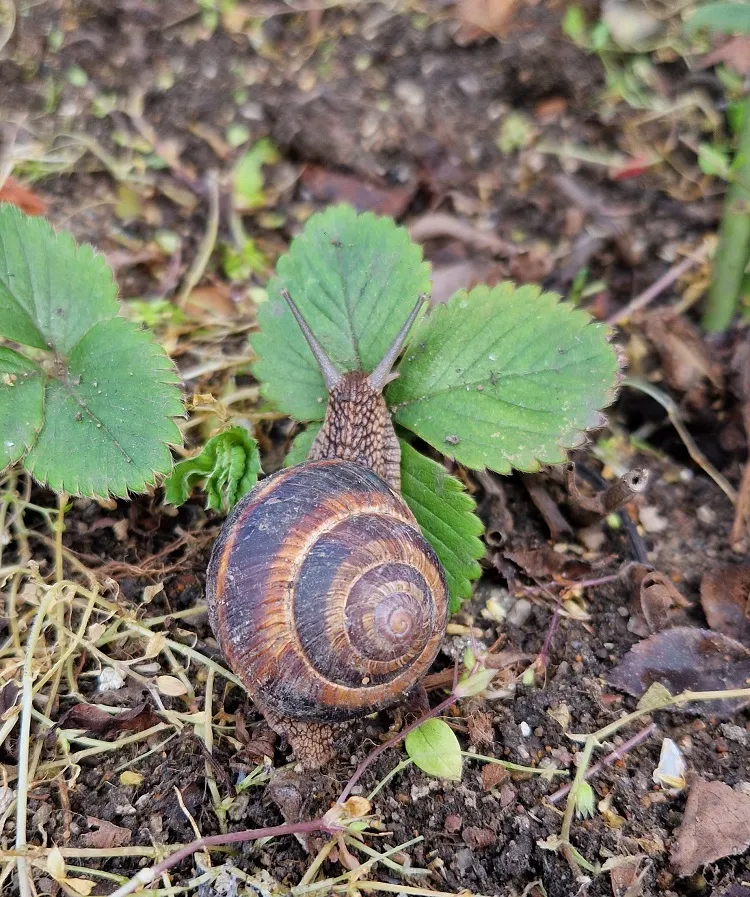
(296, 828)
(648, 295)
(373, 755)
(616, 754)
(543, 657)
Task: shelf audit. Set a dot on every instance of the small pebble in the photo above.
(520, 612)
(525, 729)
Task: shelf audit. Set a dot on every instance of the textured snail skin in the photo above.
(326, 600)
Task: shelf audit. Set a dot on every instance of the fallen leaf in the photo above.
(477, 838)
(655, 600)
(725, 597)
(24, 198)
(479, 724)
(8, 694)
(82, 886)
(687, 659)
(716, 824)
(682, 351)
(104, 834)
(545, 562)
(623, 875)
(334, 186)
(171, 686)
(130, 778)
(56, 864)
(492, 775)
(95, 721)
(481, 18)
(735, 54)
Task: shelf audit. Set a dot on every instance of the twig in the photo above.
(670, 406)
(656, 288)
(147, 875)
(206, 248)
(616, 754)
(439, 224)
(614, 497)
(559, 528)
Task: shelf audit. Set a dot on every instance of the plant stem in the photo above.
(616, 754)
(62, 500)
(371, 757)
(146, 876)
(22, 790)
(733, 251)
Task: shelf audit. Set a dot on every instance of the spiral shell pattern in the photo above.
(325, 598)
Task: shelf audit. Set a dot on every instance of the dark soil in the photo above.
(390, 99)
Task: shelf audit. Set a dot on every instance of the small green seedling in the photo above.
(228, 466)
(501, 378)
(434, 748)
(87, 399)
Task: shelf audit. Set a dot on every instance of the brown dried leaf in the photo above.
(477, 838)
(545, 562)
(96, 721)
(480, 18)
(683, 353)
(655, 600)
(479, 723)
(687, 659)
(105, 835)
(333, 186)
(26, 200)
(716, 824)
(735, 54)
(492, 775)
(8, 694)
(725, 596)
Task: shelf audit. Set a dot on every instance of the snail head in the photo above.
(383, 372)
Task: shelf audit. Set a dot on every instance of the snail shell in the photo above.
(325, 598)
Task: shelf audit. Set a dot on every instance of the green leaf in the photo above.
(229, 463)
(574, 24)
(713, 161)
(301, 446)
(434, 748)
(355, 278)
(505, 378)
(727, 18)
(21, 405)
(445, 514)
(247, 180)
(584, 800)
(92, 412)
(108, 410)
(51, 291)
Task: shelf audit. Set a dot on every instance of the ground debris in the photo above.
(687, 659)
(725, 597)
(95, 721)
(716, 824)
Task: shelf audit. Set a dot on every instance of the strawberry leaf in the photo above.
(355, 278)
(505, 378)
(89, 408)
(445, 514)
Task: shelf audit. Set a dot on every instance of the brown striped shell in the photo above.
(325, 598)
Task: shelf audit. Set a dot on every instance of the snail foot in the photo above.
(312, 743)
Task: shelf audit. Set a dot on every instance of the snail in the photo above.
(325, 598)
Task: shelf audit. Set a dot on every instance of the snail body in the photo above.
(326, 600)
